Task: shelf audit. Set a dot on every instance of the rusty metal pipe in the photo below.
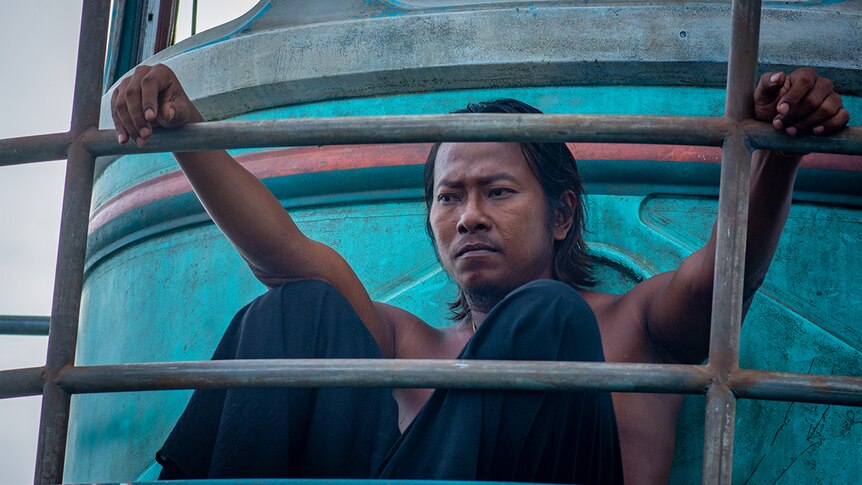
(226, 134)
(742, 59)
(472, 374)
(62, 338)
(784, 386)
(21, 382)
(24, 325)
(29, 149)
(420, 129)
(692, 379)
(727, 299)
(731, 232)
(718, 435)
(763, 136)
(729, 277)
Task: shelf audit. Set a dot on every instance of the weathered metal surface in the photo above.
(783, 386)
(24, 325)
(571, 128)
(428, 128)
(458, 374)
(742, 59)
(127, 171)
(727, 300)
(454, 128)
(37, 148)
(761, 135)
(69, 277)
(731, 231)
(718, 435)
(21, 382)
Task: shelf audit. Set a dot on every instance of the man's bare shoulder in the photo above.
(416, 339)
(600, 302)
(625, 337)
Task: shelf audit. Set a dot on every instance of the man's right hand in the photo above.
(151, 97)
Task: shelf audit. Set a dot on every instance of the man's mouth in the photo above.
(476, 249)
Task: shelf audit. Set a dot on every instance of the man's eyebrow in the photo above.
(485, 180)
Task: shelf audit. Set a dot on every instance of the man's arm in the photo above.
(677, 305)
(242, 207)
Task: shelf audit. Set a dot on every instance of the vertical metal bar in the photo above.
(728, 290)
(726, 308)
(62, 338)
(731, 231)
(742, 62)
(718, 435)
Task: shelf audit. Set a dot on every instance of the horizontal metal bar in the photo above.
(24, 325)
(462, 374)
(784, 386)
(38, 148)
(430, 128)
(21, 382)
(690, 379)
(422, 128)
(761, 135)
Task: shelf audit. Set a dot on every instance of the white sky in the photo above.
(38, 45)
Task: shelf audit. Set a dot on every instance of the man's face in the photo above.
(489, 218)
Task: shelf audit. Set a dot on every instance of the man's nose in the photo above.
(473, 218)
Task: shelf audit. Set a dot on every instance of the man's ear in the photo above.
(565, 215)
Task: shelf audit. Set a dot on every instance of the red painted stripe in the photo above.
(291, 161)
(268, 164)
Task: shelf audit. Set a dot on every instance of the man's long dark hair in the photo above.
(554, 166)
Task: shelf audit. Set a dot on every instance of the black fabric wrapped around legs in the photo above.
(276, 432)
(538, 436)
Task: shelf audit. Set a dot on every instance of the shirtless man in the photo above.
(489, 216)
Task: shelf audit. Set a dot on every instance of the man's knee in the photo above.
(544, 320)
(295, 308)
(550, 292)
(305, 293)
(548, 301)
(311, 288)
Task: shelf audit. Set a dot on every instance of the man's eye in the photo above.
(445, 198)
(498, 192)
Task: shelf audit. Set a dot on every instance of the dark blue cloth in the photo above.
(537, 436)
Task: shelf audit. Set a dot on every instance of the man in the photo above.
(504, 218)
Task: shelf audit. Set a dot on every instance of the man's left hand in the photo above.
(799, 104)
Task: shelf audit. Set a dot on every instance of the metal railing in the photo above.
(24, 325)
(721, 379)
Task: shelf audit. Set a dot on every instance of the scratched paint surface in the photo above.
(801, 321)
